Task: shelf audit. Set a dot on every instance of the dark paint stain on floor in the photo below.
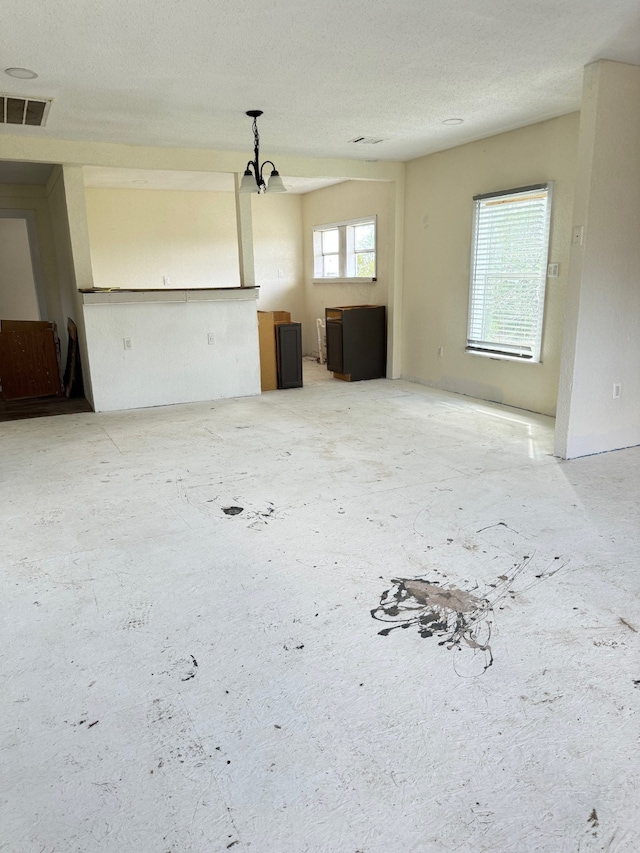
(461, 619)
(232, 510)
(192, 672)
(594, 823)
(458, 617)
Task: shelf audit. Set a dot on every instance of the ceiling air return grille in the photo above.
(366, 140)
(31, 112)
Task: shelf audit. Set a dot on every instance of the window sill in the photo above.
(331, 280)
(499, 357)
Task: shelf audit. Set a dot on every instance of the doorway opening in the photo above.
(33, 331)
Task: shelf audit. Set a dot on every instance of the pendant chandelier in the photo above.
(252, 180)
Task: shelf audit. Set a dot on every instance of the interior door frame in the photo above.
(32, 233)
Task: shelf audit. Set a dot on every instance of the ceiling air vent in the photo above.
(366, 140)
(26, 111)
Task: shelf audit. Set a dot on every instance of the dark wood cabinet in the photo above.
(289, 355)
(357, 341)
(28, 359)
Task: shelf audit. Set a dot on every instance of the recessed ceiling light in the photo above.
(453, 121)
(21, 73)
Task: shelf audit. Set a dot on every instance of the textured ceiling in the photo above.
(167, 73)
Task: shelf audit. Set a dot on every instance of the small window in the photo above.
(330, 252)
(345, 250)
(509, 272)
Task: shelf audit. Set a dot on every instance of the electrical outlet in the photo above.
(211, 339)
(553, 270)
(280, 273)
(440, 352)
(166, 280)
(617, 389)
(127, 343)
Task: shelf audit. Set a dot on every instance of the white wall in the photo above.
(602, 344)
(18, 299)
(33, 199)
(438, 230)
(138, 237)
(170, 360)
(348, 200)
(278, 253)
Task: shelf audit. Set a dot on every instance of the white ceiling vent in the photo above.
(366, 140)
(15, 109)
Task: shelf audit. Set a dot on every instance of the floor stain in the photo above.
(139, 617)
(192, 672)
(261, 517)
(499, 524)
(461, 619)
(594, 823)
(257, 517)
(177, 668)
(458, 617)
(628, 625)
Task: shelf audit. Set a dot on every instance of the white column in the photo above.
(601, 342)
(245, 236)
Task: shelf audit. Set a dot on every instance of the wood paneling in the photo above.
(28, 360)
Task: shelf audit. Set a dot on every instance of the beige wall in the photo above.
(438, 224)
(348, 200)
(602, 345)
(139, 236)
(18, 300)
(65, 280)
(278, 255)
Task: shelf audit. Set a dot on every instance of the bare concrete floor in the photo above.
(420, 633)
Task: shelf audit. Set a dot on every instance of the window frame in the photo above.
(346, 252)
(527, 350)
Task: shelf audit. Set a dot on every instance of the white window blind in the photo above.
(508, 272)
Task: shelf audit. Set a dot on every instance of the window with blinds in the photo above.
(509, 272)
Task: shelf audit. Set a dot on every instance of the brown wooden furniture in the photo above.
(280, 350)
(357, 342)
(267, 321)
(289, 354)
(28, 359)
(72, 374)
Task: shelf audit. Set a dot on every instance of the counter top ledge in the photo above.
(204, 294)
